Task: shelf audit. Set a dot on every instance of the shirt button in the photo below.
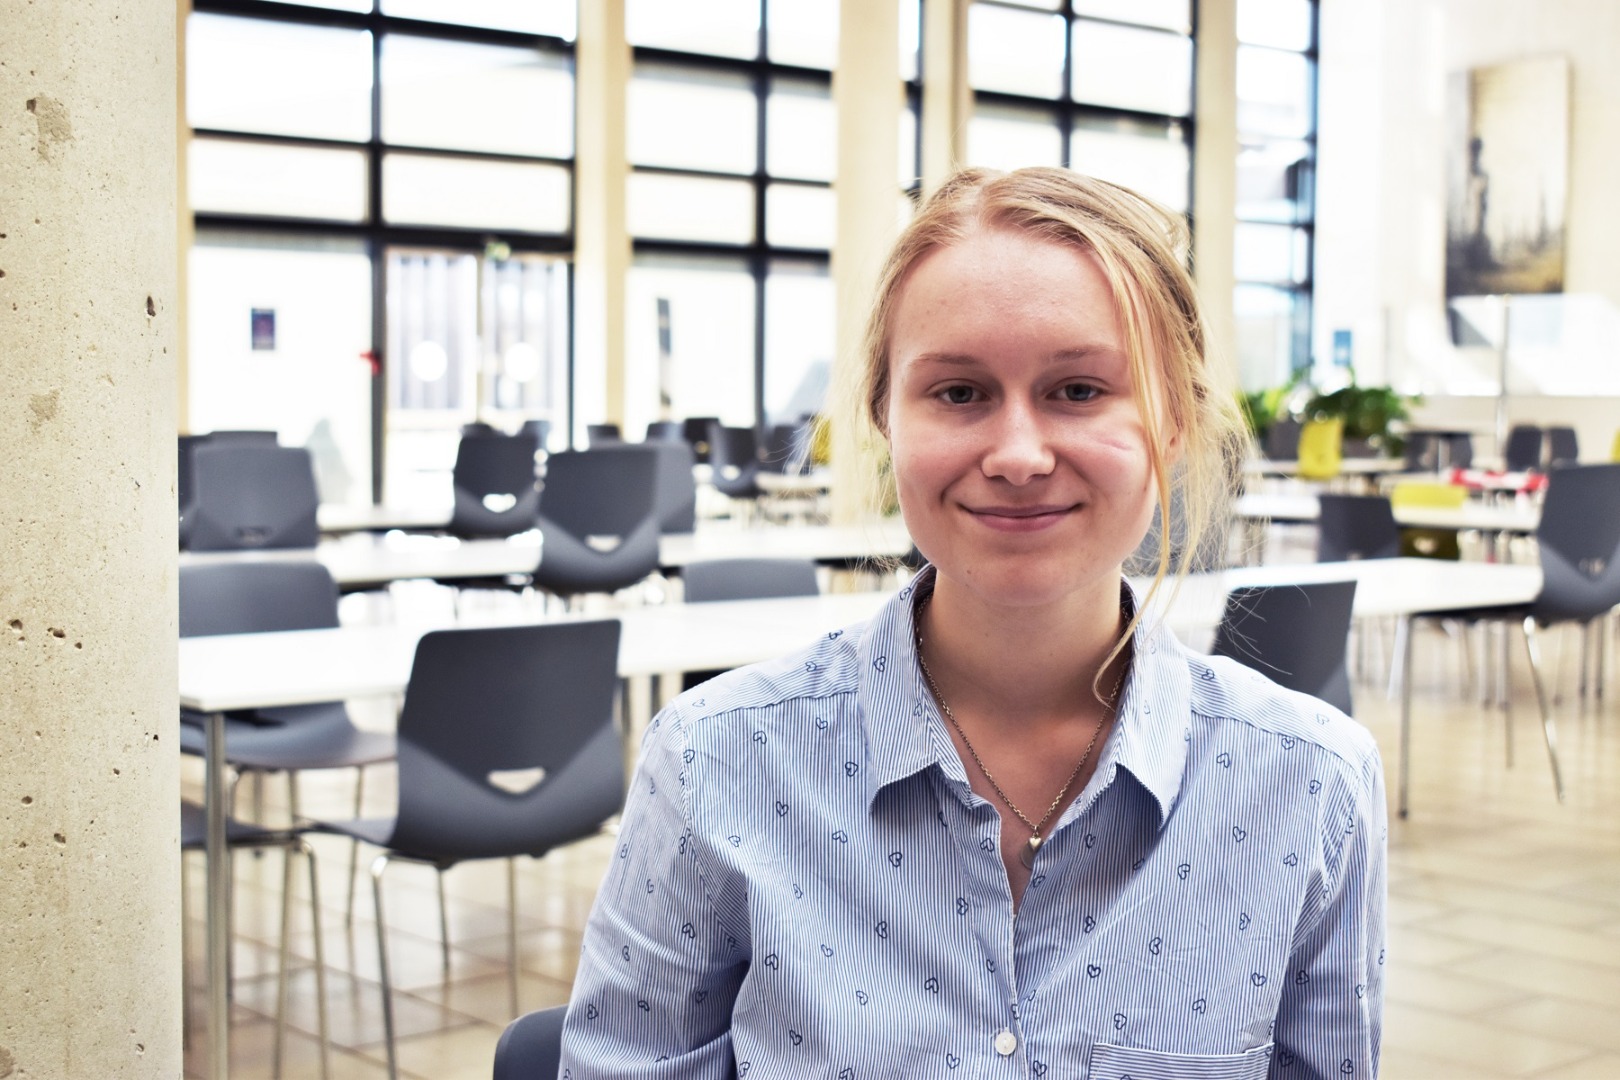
(1006, 1043)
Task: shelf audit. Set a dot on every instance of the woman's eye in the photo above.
(957, 395)
(1079, 392)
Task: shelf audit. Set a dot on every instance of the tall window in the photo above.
(433, 143)
(1101, 86)
(733, 145)
(1276, 191)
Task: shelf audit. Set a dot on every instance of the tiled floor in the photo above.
(1504, 943)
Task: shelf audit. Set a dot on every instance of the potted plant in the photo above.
(1367, 413)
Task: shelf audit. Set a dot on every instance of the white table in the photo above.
(1515, 517)
(336, 519)
(1350, 466)
(362, 561)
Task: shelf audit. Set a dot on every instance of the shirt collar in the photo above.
(1150, 733)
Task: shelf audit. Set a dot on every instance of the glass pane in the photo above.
(802, 127)
(690, 208)
(713, 27)
(1274, 92)
(1274, 180)
(1273, 334)
(1152, 162)
(1271, 253)
(1012, 138)
(427, 84)
(1169, 14)
(707, 309)
(423, 190)
(433, 363)
(1019, 52)
(803, 32)
(309, 380)
(554, 18)
(229, 176)
(1282, 24)
(1148, 70)
(910, 38)
(238, 78)
(798, 340)
(686, 119)
(799, 216)
(525, 319)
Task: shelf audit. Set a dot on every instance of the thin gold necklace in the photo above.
(1026, 854)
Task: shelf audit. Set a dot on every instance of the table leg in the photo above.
(219, 868)
(1404, 628)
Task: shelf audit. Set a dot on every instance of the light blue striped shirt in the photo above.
(806, 886)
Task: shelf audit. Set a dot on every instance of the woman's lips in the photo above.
(1021, 518)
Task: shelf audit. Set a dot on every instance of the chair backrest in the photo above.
(602, 435)
(1459, 449)
(1579, 543)
(1295, 635)
(1356, 527)
(507, 740)
(1563, 447)
(251, 495)
(256, 597)
(674, 487)
(696, 430)
(734, 459)
(1422, 451)
(531, 1046)
(749, 579)
(537, 429)
(786, 448)
(1522, 451)
(494, 485)
(666, 431)
(1282, 439)
(604, 491)
(1321, 448)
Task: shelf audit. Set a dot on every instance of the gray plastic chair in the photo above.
(247, 494)
(1282, 439)
(240, 836)
(1563, 447)
(602, 435)
(744, 579)
(666, 431)
(507, 747)
(1295, 635)
(531, 1045)
(1522, 451)
(675, 488)
(602, 493)
(494, 485)
(734, 459)
(1356, 527)
(1578, 540)
(696, 430)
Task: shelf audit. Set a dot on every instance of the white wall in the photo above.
(1381, 197)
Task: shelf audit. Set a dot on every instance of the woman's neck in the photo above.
(1021, 666)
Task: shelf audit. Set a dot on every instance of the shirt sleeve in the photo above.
(659, 970)
(1331, 1012)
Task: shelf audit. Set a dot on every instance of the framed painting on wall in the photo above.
(1508, 176)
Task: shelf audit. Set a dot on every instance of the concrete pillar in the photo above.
(947, 103)
(868, 96)
(1215, 174)
(601, 233)
(89, 849)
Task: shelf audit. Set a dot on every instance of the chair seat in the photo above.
(375, 831)
(1479, 614)
(317, 736)
(194, 830)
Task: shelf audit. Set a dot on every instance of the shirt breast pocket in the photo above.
(1136, 1063)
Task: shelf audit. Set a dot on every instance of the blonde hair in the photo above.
(1141, 248)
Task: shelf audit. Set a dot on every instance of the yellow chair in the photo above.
(1427, 493)
(1321, 445)
(1614, 450)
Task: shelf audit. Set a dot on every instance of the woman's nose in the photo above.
(1020, 449)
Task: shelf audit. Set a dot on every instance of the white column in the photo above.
(1215, 173)
(89, 847)
(947, 103)
(867, 95)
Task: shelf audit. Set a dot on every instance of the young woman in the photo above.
(1008, 828)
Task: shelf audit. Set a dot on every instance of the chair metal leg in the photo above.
(444, 925)
(354, 845)
(320, 962)
(1532, 646)
(378, 865)
(511, 936)
(185, 968)
(292, 798)
(285, 960)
